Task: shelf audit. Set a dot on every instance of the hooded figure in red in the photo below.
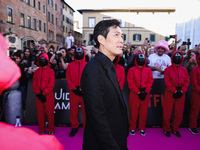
(140, 81)
(43, 84)
(73, 76)
(119, 71)
(176, 82)
(195, 98)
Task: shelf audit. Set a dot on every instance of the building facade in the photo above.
(68, 20)
(24, 22)
(132, 34)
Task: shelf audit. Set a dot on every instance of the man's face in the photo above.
(43, 48)
(69, 33)
(182, 49)
(17, 59)
(160, 51)
(113, 44)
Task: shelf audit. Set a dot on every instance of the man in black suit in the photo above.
(106, 113)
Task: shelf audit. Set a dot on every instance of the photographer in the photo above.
(61, 60)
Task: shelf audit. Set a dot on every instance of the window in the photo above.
(10, 14)
(122, 23)
(51, 35)
(63, 28)
(45, 28)
(49, 19)
(22, 19)
(29, 22)
(56, 21)
(136, 37)
(63, 17)
(35, 24)
(66, 29)
(106, 18)
(52, 18)
(28, 2)
(39, 6)
(40, 25)
(44, 9)
(52, 3)
(34, 3)
(124, 37)
(152, 37)
(91, 22)
(55, 7)
(48, 1)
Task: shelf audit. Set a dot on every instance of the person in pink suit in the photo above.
(43, 84)
(140, 80)
(195, 98)
(176, 82)
(73, 76)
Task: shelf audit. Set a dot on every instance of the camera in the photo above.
(59, 55)
(172, 36)
(93, 52)
(186, 43)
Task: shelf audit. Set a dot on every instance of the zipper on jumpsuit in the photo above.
(41, 82)
(78, 73)
(140, 77)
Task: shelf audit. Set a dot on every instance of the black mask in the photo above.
(140, 59)
(43, 62)
(177, 58)
(79, 53)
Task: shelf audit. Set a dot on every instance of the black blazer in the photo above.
(106, 113)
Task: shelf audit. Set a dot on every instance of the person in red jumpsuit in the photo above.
(43, 84)
(140, 80)
(195, 98)
(73, 76)
(119, 71)
(176, 82)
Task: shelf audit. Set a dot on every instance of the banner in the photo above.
(62, 105)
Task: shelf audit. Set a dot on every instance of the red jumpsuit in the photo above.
(195, 95)
(44, 80)
(120, 73)
(73, 76)
(174, 76)
(139, 78)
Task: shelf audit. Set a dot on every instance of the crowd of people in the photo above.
(141, 65)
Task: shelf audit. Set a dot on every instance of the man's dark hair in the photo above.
(102, 28)
(18, 54)
(63, 48)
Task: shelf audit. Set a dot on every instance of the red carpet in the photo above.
(154, 139)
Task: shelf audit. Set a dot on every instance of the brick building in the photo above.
(25, 21)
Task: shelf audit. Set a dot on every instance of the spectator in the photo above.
(191, 61)
(61, 61)
(69, 40)
(43, 84)
(23, 80)
(131, 57)
(43, 48)
(159, 60)
(71, 52)
(140, 81)
(176, 82)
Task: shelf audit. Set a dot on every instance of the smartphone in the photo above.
(184, 43)
(193, 56)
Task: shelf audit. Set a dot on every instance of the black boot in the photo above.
(73, 132)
